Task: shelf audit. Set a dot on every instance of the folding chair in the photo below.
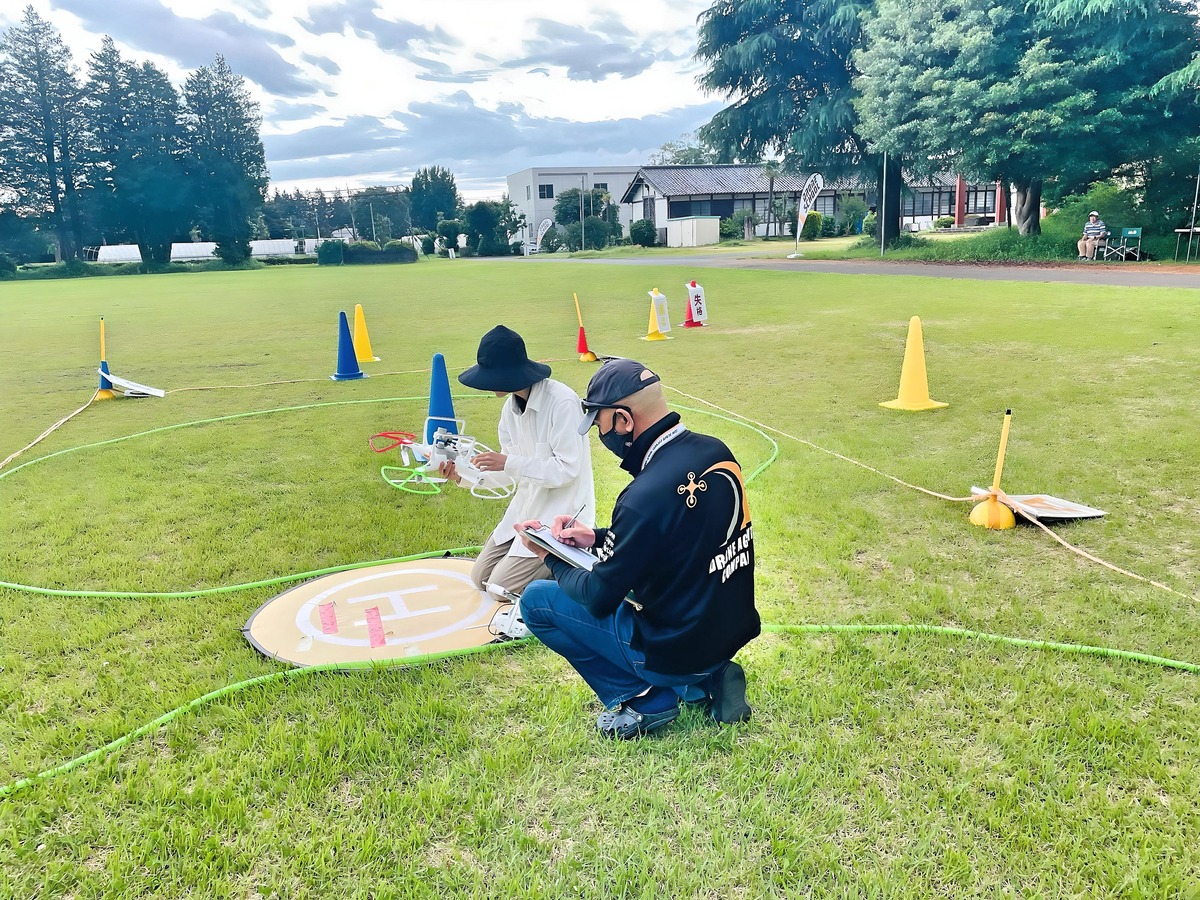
(1128, 246)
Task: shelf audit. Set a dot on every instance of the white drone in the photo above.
(445, 446)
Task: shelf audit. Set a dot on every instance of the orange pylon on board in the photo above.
(581, 345)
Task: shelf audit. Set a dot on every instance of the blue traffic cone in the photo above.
(441, 407)
(347, 362)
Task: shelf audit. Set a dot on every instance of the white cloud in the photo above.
(362, 91)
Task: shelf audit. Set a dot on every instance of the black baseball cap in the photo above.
(616, 380)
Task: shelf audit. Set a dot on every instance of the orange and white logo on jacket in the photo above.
(730, 470)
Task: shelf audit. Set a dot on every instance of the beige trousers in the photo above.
(513, 573)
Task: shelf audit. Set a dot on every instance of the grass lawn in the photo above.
(876, 765)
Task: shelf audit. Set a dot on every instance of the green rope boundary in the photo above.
(211, 696)
(939, 630)
(299, 576)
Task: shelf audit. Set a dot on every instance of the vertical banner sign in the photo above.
(808, 196)
(696, 302)
(543, 227)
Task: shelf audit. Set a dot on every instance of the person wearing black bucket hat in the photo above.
(541, 449)
(670, 599)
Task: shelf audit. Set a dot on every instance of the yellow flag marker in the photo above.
(105, 392)
(991, 513)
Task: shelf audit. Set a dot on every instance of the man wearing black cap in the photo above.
(670, 598)
(541, 449)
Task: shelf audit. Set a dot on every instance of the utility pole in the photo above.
(371, 206)
(582, 227)
(879, 220)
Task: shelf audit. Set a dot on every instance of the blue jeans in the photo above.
(599, 649)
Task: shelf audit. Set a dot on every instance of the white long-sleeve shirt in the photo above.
(548, 458)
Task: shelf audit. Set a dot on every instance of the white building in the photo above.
(533, 192)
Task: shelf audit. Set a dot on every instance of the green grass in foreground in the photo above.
(875, 765)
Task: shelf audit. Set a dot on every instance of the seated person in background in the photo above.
(541, 449)
(1094, 233)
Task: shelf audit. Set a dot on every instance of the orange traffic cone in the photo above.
(581, 345)
(691, 321)
(914, 383)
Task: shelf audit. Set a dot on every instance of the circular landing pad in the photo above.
(380, 613)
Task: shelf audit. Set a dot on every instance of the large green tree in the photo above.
(787, 67)
(139, 165)
(41, 132)
(596, 202)
(225, 155)
(1024, 92)
(433, 192)
(384, 202)
(482, 223)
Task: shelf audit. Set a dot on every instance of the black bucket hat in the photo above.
(502, 364)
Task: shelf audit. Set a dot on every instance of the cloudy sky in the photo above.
(358, 92)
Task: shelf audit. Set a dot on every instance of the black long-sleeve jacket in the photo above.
(680, 549)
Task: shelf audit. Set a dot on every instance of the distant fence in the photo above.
(193, 250)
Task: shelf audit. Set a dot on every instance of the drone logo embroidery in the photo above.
(690, 489)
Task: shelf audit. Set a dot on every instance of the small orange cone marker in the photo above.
(362, 340)
(581, 347)
(914, 383)
(991, 513)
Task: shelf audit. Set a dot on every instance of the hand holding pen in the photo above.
(570, 532)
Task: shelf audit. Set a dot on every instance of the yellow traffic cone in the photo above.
(362, 340)
(658, 314)
(914, 383)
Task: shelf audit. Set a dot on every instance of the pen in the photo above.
(574, 517)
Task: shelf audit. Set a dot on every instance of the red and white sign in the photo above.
(696, 301)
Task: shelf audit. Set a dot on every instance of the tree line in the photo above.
(430, 208)
(1050, 96)
(119, 154)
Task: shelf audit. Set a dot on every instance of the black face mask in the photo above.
(617, 444)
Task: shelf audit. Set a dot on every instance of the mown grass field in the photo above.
(875, 766)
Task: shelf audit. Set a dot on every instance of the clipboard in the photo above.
(575, 556)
